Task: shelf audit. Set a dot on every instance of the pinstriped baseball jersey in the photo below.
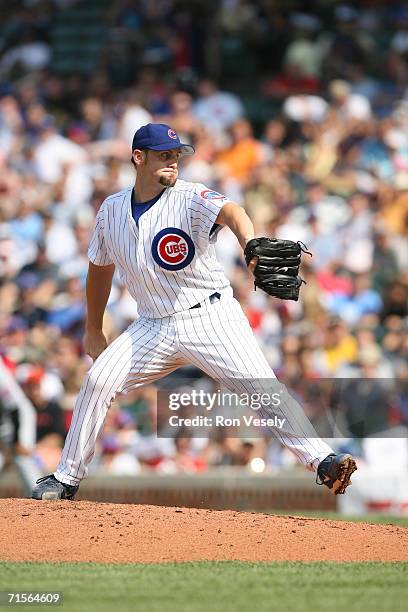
(167, 261)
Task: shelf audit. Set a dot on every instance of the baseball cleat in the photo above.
(335, 472)
(48, 487)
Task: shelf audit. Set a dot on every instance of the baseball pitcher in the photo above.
(160, 234)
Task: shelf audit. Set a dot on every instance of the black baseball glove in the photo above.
(277, 269)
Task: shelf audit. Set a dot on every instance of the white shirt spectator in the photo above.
(122, 464)
(332, 212)
(293, 229)
(14, 253)
(133, 118)
(305, 108)
(60, 243)
(356, 106)
(306, 55)
(219, 110)
(349, 105)
(357, 242)
(52, 153)
(32, 56)
(78, 187)
(197, 170)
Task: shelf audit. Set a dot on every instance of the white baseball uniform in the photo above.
(167, 261)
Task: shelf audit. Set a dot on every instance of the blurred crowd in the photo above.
(328, 165)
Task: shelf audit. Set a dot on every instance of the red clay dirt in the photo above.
(116, 533)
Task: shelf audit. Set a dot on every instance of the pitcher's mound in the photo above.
(116, 533)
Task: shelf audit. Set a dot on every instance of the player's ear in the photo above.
(138, 157)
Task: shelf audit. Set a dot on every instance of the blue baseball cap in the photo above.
(159, 137)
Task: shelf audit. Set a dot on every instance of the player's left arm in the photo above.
(238, 221)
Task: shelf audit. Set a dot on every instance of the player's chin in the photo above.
(168, 179)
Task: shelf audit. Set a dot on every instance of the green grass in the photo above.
(368, 518)
(216, 586)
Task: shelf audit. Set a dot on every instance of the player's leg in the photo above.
(218, 339)
(144, 353)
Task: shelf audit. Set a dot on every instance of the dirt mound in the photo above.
(87, 531)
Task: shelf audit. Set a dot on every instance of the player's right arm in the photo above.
(98, 287)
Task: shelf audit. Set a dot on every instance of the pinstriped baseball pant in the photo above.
(216, 338)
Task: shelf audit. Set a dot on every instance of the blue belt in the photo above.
(213, 298)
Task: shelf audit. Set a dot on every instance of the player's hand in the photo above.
(94, 343)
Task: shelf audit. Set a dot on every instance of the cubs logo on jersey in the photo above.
(172, 249)
(209, 194)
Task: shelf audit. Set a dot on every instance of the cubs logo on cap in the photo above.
(159, 137)
(172, 249)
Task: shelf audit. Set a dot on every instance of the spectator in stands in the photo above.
(244, 154)
(215, 109)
